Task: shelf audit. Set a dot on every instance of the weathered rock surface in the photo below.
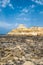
(21, 50)
(22, 30)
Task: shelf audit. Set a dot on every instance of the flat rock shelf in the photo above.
(21, 50)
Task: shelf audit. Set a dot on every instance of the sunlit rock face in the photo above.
(22, 30)
(20, 49)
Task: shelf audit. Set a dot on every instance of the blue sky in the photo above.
(15, 12)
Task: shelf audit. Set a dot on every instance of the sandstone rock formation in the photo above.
(22, 30)
(22, 46)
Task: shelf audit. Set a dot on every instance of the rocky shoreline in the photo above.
(21, 50)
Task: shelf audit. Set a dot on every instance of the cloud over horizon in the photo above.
(15, 12)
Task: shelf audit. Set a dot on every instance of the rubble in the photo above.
(23, 50)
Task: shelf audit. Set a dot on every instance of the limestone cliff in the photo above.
(22, 30)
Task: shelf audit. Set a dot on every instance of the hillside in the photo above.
(22, 46)
(22, 30)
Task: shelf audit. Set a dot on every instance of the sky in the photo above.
(15, 12)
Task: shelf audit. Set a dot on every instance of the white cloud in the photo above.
(23, 19)
(10, 5)
(22, 14)
(38, 1)
(25, 10)
(32, 6)
(16, 24)
(6, 25)
(41, 12)
(4, 3)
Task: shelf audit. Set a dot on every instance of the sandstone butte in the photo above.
(22, 30)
